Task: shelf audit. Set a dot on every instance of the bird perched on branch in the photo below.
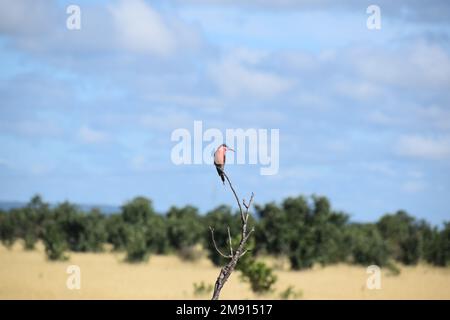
(219, 159)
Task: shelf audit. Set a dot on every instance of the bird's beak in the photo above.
(230, 149)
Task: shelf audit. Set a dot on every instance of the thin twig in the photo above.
(248, 234)
(235, 195)
(247, 206)
(229, 238)
(215, 245)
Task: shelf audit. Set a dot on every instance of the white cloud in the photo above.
(39, 169)
(416, 174)
(381, 118)
(207, 103)
(36, 128)
(132, 26)
(91, 136)
(358, 90)
(141, 29)
(413, 11)
(420, 64)
(338, 146)
(413, 186)
(138, 162)
(424, 147)
(438, 117)
(237, 75)
(382, 168)
(304, 173)
(5, 163)
(18, 17)
(165, 120)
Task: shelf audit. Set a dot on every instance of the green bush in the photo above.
(260, 277)
(366, 245)
(304, 229)
(85, 232)
(307, 232)
(290, 293)
(184, 227)
(393, 269)
(301, 252)
(30, 240)
(401, 233)
(271, 232)
(136, 247)
(139, 212)
(201, 289)
(116, 231)
(438, 248)
(54, 241)
(34, 216)
(156, 234)
(7, 231)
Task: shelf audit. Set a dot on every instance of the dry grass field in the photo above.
(28, 275)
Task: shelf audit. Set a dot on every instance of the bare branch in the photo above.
(242, 254)
(235, 195)
(231, 245)
(248, 234)
(215, 245)
(247, 206)
(226, 271)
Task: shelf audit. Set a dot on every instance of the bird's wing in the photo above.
(215, 157)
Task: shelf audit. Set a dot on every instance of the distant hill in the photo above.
(106, 209)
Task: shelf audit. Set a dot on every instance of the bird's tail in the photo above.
(221, 175)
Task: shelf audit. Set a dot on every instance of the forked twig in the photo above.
(215, 245)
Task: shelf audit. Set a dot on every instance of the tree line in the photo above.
(305, 230)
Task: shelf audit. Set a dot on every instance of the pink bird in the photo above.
(219, 159)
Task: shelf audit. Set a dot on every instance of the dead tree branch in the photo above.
(226, 271)
(215, 245)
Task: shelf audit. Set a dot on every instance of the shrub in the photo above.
(401, 233)
(54, 241)
(156, 234)
(190, 253)
(393, 270)
(201, 289)
(7, 234)
(29, 241)
(301, 252)
(438, 249)
(367, 245)
(290, 293)
(136, 247)
(184, 227)
(116, 231)
(260, 277)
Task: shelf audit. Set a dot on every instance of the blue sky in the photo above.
(364, 115)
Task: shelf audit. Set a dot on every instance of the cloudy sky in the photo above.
(364, 115)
